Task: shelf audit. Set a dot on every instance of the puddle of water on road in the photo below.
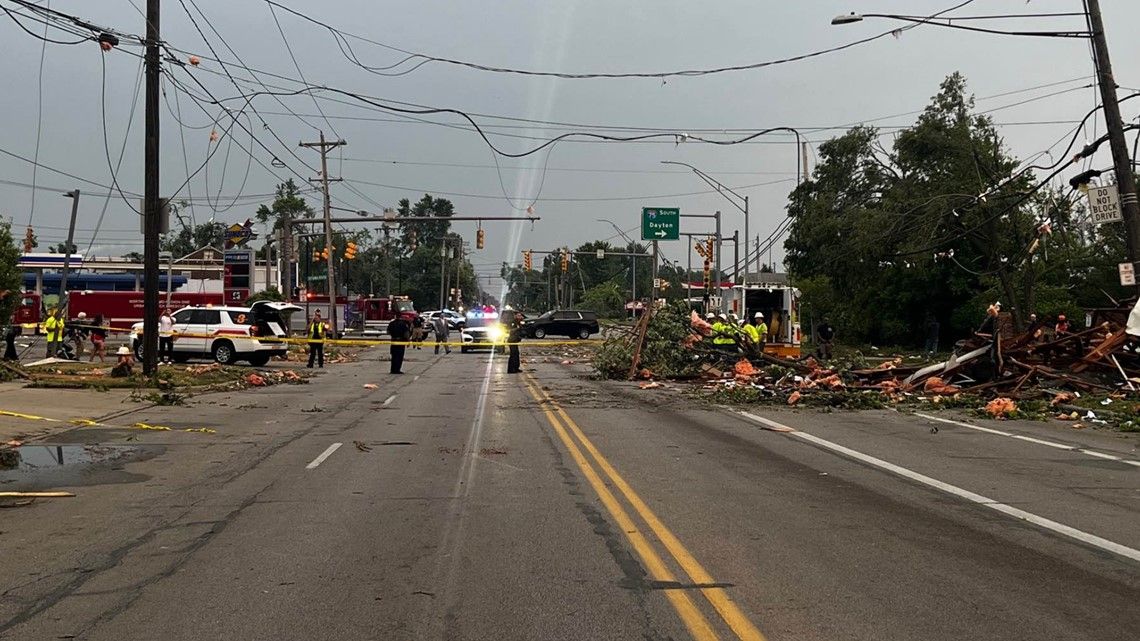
(45, 465)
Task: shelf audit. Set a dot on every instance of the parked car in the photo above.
(455, 320)
(562, 322)
(226, 334)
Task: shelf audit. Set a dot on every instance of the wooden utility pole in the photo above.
(1121, 162)
(152, 205)
(330, 280)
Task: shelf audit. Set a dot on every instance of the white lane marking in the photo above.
(960, 424)
(324, 455)
(389, 400)
(416, 378)
(1059, 528)
(1099, 455)
(1030, 439)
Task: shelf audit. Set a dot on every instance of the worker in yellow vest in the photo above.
(760, 327)
(723, 334)
(316, 336)
(53, 327)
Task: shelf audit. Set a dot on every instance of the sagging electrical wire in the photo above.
(425, 58)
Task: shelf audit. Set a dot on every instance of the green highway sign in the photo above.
(660, 223)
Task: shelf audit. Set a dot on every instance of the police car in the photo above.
(484, 330)
(226, 334)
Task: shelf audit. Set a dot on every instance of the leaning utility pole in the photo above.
(63, 297)
(152, 206)
(330, 279)
(1122, 163)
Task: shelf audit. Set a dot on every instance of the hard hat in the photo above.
(758, 315)
(82, 315)
(124, 351)
(1061, 317)
(710, 315)
(722, 316)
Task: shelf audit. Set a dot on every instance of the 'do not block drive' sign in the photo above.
(1104, 204)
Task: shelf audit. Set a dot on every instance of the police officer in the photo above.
(400, 331)
(514, 361)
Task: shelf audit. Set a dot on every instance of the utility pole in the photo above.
(653, 282)
(719, 278)
(63, 297)
(152, 214)
(1122, 163)
(324, 146)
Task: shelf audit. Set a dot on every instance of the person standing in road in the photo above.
(316, 334)
(98, 339)
(166, 336)
(724, 334)
(825, 333)
(439, 324)
(53, 327)
(79, 332)
(514, 336)
(400, 331)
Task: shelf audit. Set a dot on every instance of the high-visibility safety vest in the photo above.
(54, 328)
(317, 330)
(723, 334)
(762, 332)
(752, 332)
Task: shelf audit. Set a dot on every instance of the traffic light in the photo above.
(565, 260)
(479, 238)
(708, 275)
(350, 251)
(709, 248)
(316, 255)
(528, 261)
(413, 241)
(29, 241)
(325, 253)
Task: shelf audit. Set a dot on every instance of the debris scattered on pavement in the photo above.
(362, 446)
(371, 386)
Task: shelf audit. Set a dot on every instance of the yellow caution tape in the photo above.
(86, 422)
(27, 416)
(372, 342)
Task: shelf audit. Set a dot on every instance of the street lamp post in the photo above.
(741, 203)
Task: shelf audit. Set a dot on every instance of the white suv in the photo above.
(226, 334)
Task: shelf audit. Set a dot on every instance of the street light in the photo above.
(847, 19)
(935, 21)
(632, 259)
(725, 191)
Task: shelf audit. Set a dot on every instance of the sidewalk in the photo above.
(61, 404)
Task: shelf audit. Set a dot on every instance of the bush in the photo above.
(662, 353)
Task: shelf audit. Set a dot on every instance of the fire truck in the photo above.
(120, 310)
(369, 317)
(360, 317)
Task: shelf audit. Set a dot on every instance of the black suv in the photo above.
(562, 322)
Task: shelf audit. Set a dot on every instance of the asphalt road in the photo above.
(458, 502)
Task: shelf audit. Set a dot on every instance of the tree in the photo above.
(187, 240)
(606, 299)
(11, 278)
(61, 248)
(940, 225)
(288, 203)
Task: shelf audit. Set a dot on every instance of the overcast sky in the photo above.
(882, 83)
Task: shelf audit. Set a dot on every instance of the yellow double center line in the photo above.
(690, 614)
